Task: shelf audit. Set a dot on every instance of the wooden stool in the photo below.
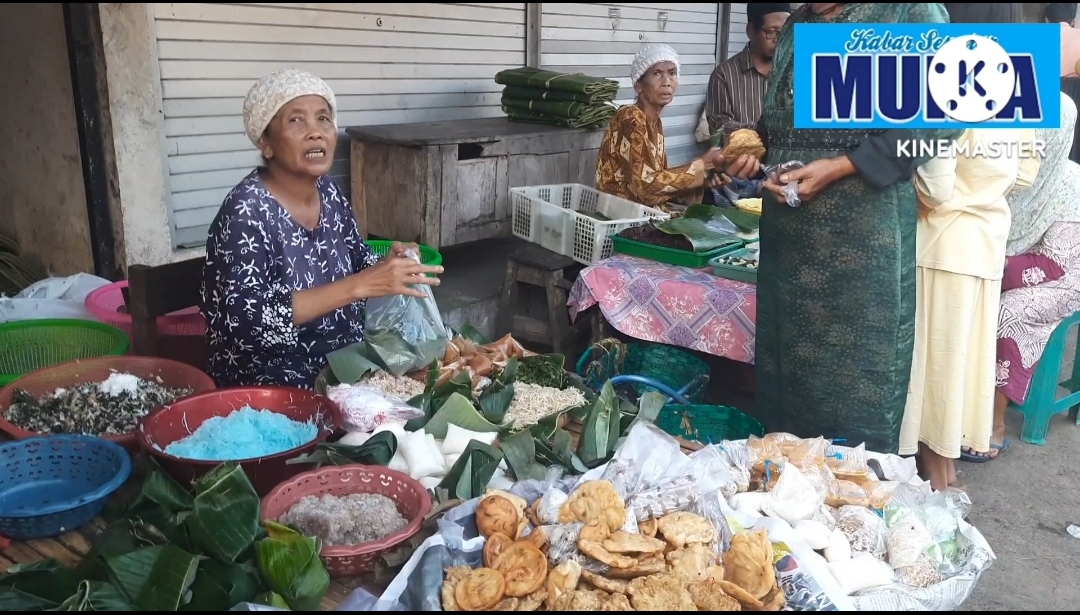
(538, 267)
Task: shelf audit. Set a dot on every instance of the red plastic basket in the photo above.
(170, 374)
(413, 502)
(166, 425)
(105, 304)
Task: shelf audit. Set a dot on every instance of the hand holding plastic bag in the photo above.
(791, 189)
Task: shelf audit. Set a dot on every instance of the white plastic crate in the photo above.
(549, 216)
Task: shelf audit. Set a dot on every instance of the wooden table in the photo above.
(69, 549)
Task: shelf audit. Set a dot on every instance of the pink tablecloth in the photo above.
(672, 305)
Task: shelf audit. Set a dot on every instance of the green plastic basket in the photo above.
(428, 256)
(671, 366)
(707, 424)
(30, 345)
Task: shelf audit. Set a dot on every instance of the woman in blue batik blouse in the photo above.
(287, 274)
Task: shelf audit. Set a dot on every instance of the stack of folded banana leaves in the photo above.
(557, 99)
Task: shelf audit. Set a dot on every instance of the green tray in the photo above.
(670, 256)
(731, 272)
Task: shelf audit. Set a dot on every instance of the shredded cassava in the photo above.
(401, 387)
(533, 402)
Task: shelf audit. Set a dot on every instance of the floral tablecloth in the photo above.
(671, 305)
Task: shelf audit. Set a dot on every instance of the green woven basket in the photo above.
(671, 366)
(707, 424)
(428, 256)
(30, 345)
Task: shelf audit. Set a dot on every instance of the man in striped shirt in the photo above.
(736, 93)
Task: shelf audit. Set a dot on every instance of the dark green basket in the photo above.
(667, 364)
(30, 345)
(707, 424)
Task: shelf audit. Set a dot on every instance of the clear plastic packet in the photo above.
(547, 509)
(709, 465)
(820, 476)
(562, 542)
(806, 452)
(846, 493)
(880, 493)
(622, 476)
(711, 507)
(794, 498)
(942, 513)
(907, 539)
(364, 408)
(630, 522)
(739, 463)
(848, 463)
(407, 333)
(676, 495)
(864, 530)
(791, 189)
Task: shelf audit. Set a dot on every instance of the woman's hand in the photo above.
(395, 274)
(812, 178)
(743, 167)
(399, 249)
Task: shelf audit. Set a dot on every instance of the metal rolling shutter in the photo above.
(601, 40)
(387, 63)
(737, 31)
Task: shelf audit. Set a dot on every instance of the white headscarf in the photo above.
(276, 90)
(1054, 196)
(649, 57)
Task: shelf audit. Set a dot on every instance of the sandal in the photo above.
(973, 457)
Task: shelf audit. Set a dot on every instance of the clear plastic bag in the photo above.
(407, 333)
(864, 530)
(552, 498)
(364, 408)
(791, 189)
(794, 497)
(848, 463)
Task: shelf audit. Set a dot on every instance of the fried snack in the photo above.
(533, 601)
(524, 567)
(692, 562)
(594, 531)
(451, 578)
(561, 580)
(744, 141)
(580, 600)
(660, 592)
(709, 596)
(493, 548)
(530, 514)
(602, 555)
(617, 602)
(748, 563)
(594, 499)
(537, 538)
(506, 604)
(615, 586)
(775, 601)
(625, 542)
(652, 564)
(716, 571)
(481, 590)
(497, 515)
(748, 602)
(648, 527)
(682, 528)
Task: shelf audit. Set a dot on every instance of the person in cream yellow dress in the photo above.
(960, 255)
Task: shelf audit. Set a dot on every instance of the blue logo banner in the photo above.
(873, 76)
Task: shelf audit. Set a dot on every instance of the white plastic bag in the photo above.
(364, 408)
(52, 298)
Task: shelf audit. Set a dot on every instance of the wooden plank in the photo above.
(75, 542)
(484, 130)
(21, 553)
(5, 564)
(51, 549)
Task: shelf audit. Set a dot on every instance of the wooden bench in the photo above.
(161, 290)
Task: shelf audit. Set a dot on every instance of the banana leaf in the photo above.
(435, 395)
(219, 586)
(378, 450)
(601, 429)
(472, 472)
(96, 596)
(290, 566)
(224, 519)
(155, 578)
(461, 412)
(470, 333)
(745, 222)
(703, 235)
(520, 453)
(37, 586)
(558, 450)
(495, 399)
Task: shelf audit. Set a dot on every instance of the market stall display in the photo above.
(656, 529)
(740, 265)
(176, 422)
(680, 306)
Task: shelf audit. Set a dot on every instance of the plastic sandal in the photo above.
(977, 458)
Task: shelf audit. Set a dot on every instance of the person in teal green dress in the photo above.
(836, 280)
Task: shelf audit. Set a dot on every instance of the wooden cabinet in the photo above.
(447, 183)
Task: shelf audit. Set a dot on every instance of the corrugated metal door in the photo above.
(737, 29)
(387, 63)
(601, 40)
